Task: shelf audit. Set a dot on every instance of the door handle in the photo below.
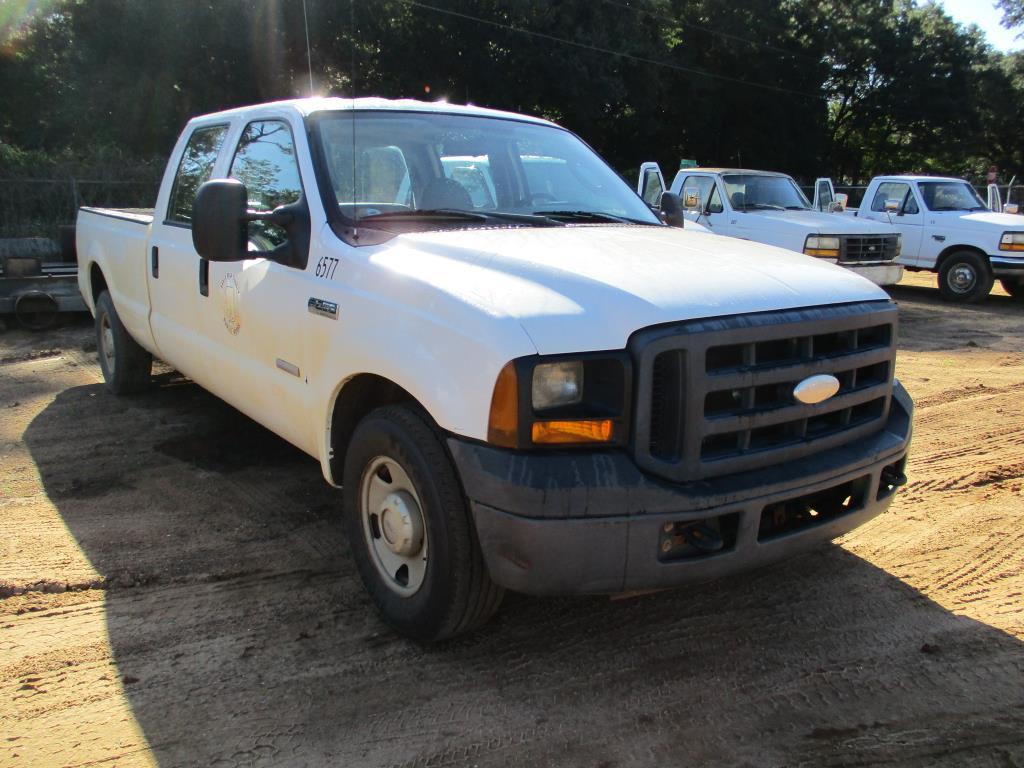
(204, 277)
(155, 261)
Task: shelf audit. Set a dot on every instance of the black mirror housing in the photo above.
(672, 209)
(220, 225)
(220, 220)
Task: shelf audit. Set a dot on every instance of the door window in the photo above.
(701, 186)
(824, 195)
(194, 170)
(265, 162)
(653, 188)
(894, 190)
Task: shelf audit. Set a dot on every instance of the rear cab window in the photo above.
(194, 170)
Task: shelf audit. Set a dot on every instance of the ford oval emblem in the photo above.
(816, 389)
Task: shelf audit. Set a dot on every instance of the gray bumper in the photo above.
(1007, 266)
(592, 522)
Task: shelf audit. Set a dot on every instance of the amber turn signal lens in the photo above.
(503, 423)
(560, 432)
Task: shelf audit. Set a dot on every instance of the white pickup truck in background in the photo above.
(520, 377)
(770, 208)
(948, 229)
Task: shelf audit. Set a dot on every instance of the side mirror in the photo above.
(219, 220)
(691, 200)
(672, 209)
(839, 204)
(220, 231)
(892, 206)
(1011, 208)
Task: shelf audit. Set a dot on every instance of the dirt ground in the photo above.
(175, 590)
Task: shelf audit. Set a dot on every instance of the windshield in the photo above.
(750, 192)
(950, 196)
(423, 169)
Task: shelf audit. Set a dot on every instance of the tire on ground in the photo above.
(1014, 286)
(965, 276)
(455, 594)
(127, 367)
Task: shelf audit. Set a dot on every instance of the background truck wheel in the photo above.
(410, 529)
(1013, 286)
(127, 367)
(965, 276)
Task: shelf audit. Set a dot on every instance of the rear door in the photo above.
(177, 276)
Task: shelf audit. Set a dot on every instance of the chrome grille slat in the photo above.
(867, 248)
(727, 404)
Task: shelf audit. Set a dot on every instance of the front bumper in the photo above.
(879, 274)
(1007, 266)
(593, 523)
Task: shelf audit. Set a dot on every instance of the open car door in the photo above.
(651, 184)
(824, 195)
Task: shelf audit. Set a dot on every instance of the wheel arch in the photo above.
(97, 282)
(951, 249)
(355, 398)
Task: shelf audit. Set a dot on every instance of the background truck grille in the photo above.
(716, 396)
(867, 248)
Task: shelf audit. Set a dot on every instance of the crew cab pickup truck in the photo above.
(770, 208)
(543, 389)
(948, 229)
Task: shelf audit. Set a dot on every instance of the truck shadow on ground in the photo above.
(995, 322)
(244, 637)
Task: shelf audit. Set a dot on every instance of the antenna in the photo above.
(309, 54)
(352, 85)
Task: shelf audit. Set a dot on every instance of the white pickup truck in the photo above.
(770, 208)
(542, 388)
(948, 229)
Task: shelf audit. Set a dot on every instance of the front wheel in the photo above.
(410, 529)
(1013, 286)
(965, 277)
(127, 367)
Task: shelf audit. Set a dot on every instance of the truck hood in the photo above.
(981, 221)
(817, 223)
(585, 288)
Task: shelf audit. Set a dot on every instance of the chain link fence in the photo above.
(38, 207)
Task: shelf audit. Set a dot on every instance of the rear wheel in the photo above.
(126, 366)
(966, 277)
(1013, 286)
(410, 529)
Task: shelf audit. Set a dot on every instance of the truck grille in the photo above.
(716, 396)
(871, 248)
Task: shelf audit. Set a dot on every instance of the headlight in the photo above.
(822, 245)
(1012, 241)
(556, 384)
(565, 402)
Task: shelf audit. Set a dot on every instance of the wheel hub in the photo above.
(401, 524)
(961, 278)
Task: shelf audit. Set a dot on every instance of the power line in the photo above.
(610, 52)
(710, 31)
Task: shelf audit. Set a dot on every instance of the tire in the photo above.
(127, 367)
(397, 470)
(965, 277)
(1014, 287)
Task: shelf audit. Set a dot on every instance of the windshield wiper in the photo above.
(797, 208)
(762, 206)
(592, 216)
(457, 214)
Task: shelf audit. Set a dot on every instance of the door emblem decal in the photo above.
(323, 308)
(229, 304)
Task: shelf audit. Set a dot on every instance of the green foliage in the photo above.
(806, 86)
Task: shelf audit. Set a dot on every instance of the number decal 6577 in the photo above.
(326, 266)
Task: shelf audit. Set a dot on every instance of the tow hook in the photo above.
(893, 478)
(703, 537)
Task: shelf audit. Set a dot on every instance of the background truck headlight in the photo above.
(822, 245)
(1012, 241)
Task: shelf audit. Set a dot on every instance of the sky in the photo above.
(985, 15)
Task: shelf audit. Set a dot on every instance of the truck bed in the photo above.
(139, 215)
